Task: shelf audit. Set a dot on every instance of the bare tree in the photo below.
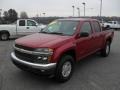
(23, 15)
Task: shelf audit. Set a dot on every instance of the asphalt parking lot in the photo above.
(92, 73)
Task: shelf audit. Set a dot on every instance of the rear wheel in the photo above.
(106, 50)
(64, 68)
(4, 36)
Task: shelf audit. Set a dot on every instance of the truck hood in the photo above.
(40, 40)
(42, 26)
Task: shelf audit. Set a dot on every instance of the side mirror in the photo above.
(84, 34)
(36, 24)
(41, 29)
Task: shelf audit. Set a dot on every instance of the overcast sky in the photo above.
(62, 7)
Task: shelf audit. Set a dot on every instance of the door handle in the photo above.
(27, 28)
(92, 37)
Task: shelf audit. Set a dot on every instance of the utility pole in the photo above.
(73, 10)
(0, 12)
(78, 11)
(101, 9)
(84, 7)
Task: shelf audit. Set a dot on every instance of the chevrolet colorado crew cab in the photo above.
(19, 28)
(62, 43)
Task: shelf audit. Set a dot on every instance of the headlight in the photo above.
(43, 51)
(43, 55)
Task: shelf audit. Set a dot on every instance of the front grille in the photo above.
(25, 57)
(24, 47)
(29, 57)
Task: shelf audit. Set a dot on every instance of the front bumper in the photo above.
(42, 67)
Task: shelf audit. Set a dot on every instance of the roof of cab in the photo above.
(79, 19)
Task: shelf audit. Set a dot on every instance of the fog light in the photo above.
(39, 58)
(44, 58)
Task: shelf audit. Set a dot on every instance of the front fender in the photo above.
(61, 51)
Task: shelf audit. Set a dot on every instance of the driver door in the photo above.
(84, 45)
(32, 27)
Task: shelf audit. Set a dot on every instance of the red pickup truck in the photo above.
(62, 43)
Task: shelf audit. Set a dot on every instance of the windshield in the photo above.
(61, 27)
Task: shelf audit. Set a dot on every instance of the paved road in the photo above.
(92, 73)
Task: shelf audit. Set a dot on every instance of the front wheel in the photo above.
(64, 68)
(106, 50)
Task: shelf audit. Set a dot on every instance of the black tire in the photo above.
(116, 29)
(108, 26)
(106, 50)
(4, 36)
(66, 59)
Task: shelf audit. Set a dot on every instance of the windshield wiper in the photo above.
(52, 32)
(43, 32)
(56, 33)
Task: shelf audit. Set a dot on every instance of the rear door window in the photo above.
(22, 23)
(86, 27)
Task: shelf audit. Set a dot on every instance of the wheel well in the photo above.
(108, 26)
(109, 39)
(4, 31)
(70, 52)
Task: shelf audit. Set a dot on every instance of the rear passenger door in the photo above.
(98, 38)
